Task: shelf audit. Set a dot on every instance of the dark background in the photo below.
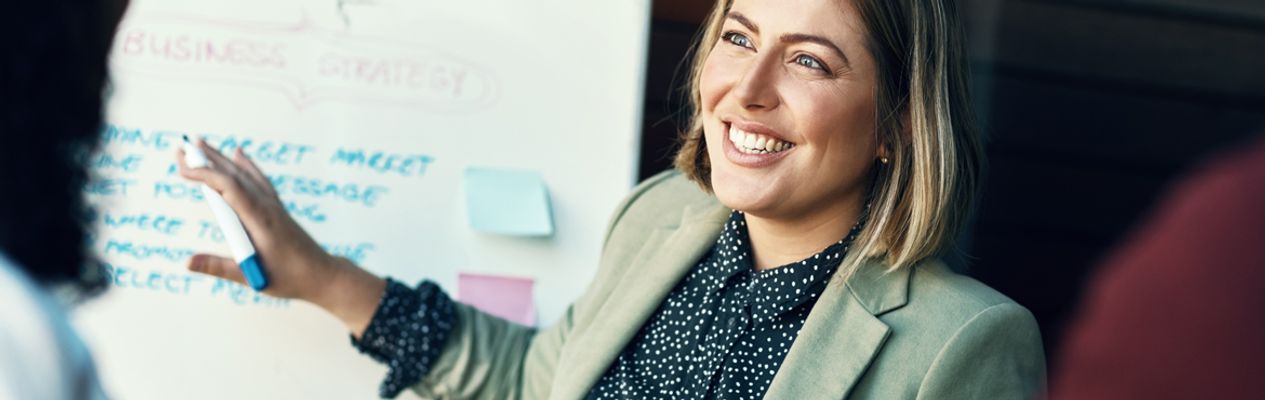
(1091, 109)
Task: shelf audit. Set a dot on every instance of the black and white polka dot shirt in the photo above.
(721, 333)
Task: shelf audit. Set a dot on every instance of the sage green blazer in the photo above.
(916, 333)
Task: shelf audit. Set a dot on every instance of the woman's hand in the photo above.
(296, 266)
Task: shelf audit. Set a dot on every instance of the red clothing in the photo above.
(1179, 312)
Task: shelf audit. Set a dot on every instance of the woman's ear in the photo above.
(906, 134)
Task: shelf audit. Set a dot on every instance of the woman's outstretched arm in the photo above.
(296, 265)
(428, 342)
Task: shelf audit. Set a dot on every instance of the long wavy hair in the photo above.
(52, 73)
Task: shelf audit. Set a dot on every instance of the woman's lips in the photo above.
(747, 157)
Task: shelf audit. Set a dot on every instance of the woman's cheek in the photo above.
(712, 81)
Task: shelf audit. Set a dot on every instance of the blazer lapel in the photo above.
(841, 335)
(669, 253)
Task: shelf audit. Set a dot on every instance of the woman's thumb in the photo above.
(217, 266)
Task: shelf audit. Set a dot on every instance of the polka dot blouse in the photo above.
(724, 330)
(721, 333)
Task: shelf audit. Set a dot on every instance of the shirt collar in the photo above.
(778, 290)
(732, 252)
(782, 289)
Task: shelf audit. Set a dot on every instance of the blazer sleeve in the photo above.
(486, 357)
(997, 354)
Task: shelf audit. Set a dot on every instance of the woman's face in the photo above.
(788, 108)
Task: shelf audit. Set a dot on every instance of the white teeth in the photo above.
(751, 143)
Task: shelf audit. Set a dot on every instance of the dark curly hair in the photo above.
(52, 74)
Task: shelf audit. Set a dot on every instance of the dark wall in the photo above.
(1091, 107)
(664, 111)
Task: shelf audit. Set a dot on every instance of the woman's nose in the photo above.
(756, 88)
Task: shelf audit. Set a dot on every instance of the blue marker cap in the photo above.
(254, 273)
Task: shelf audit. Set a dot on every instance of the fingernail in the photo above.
(196, 264)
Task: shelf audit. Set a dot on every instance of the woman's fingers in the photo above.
(216, 179)
(296, 265)
(217, 266)
(224, 176)
(217, 159)
(248, 166)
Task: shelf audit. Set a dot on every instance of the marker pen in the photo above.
(234, 233)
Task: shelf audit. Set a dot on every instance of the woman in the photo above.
(791, 255)
(52, 71)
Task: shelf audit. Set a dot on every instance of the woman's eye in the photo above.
(737, 39)
(810, 62)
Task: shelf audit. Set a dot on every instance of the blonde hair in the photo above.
(922, 197)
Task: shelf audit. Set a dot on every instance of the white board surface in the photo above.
(369, 111)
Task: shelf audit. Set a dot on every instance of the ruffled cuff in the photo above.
(407, 333)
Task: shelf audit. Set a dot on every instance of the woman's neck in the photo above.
(779, 241)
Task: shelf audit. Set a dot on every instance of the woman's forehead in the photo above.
(835, 19)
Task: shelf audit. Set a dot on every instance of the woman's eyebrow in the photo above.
(800, 38)
(742, 19)
(791, 37)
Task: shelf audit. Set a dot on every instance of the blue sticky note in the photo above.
(508, 202)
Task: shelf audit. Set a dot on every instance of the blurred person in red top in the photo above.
(1179, 311)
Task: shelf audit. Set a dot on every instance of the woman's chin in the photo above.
(749, 197)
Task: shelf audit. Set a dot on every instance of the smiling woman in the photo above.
(889, 127)
(791, 255)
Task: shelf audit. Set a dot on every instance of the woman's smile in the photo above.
(753, 145)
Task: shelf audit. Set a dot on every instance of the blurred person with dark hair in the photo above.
(1179, 312)
(52, 71)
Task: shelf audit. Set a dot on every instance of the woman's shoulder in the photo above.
(935, 283)
(27, 317)
(658, 201)
(945, 309)
(949, 300)
(44, 359)
(953, 330)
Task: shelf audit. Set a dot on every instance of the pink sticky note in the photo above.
(502, 296)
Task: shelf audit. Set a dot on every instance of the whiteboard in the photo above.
(369, 111)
